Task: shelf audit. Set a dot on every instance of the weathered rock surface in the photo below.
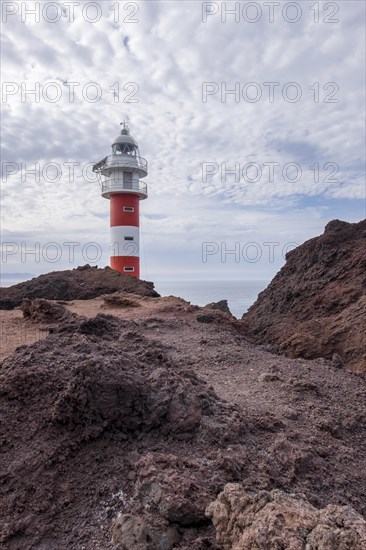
(174, 487)
(221, 305)
(82, 283)
(120, 300)
(273, 520)
(315, 306)
(44, 311)
(75, 408)
(133, 533)
(111, 440)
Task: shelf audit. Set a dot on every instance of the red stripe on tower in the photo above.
(120, 175)
(124, 210)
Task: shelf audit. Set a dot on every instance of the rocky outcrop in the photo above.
(315, 306)
(44, 311)
(221, 305)
(272, 520)
(120, 300)
(82, 283)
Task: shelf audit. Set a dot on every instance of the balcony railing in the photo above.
(110, 186)
(120, 161)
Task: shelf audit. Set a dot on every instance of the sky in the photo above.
(251, 116)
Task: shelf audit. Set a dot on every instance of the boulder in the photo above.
(221, 305)
(44, 311)
(273, 520)
(134, 533)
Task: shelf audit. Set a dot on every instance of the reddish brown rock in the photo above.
(315, 306)
(107, 429)
(272, 520)
(174, 487)
(44, 311)
(80, 412)
(133, 533)
(82, 283)
(120, 300)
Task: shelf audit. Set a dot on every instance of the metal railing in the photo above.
(112, 186)
(120, 161)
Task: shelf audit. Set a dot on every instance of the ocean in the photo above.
(239, 294)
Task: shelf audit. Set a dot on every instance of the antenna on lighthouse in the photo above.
(125, 130)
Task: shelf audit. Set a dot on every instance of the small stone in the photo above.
(274, 368)
(205, 318)
(337, 361)
(268, 377)
(291, 414)
(270, 348)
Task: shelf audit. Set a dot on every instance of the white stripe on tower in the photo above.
(125, 241)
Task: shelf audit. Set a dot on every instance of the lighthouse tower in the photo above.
(119, 175)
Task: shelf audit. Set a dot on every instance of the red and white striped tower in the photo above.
(120, 175)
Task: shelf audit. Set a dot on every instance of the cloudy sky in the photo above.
(252, 123)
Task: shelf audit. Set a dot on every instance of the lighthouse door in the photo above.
(127, 180)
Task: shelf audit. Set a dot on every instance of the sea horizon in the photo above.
(240, 294)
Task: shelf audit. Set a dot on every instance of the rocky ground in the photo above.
(316, 304)
(142, 423)
(130, 421)
(83, 283)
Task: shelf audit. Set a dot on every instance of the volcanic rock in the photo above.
(119, 300)
(76, 407)
(271, 520)
(222, 305)
(133, 533)
(174, 486)
(110, 439)
(315, 305)
(44, 311)
(205, 318)
(82, 283)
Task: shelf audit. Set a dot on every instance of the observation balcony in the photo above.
(127, 163)
(111, 186)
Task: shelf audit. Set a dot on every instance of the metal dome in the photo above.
(124, 138)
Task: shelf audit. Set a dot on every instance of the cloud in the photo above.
(162, 62)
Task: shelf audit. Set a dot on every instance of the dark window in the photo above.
(128, 209)
(128, 269)
(124, 149)
(128, 238)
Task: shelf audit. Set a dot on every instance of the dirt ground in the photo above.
(293, 424)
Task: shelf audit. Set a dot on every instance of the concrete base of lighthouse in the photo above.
(124, 242)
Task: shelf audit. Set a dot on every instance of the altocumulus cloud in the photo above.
(222, 168)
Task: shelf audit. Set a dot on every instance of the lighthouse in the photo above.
(119, 176)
